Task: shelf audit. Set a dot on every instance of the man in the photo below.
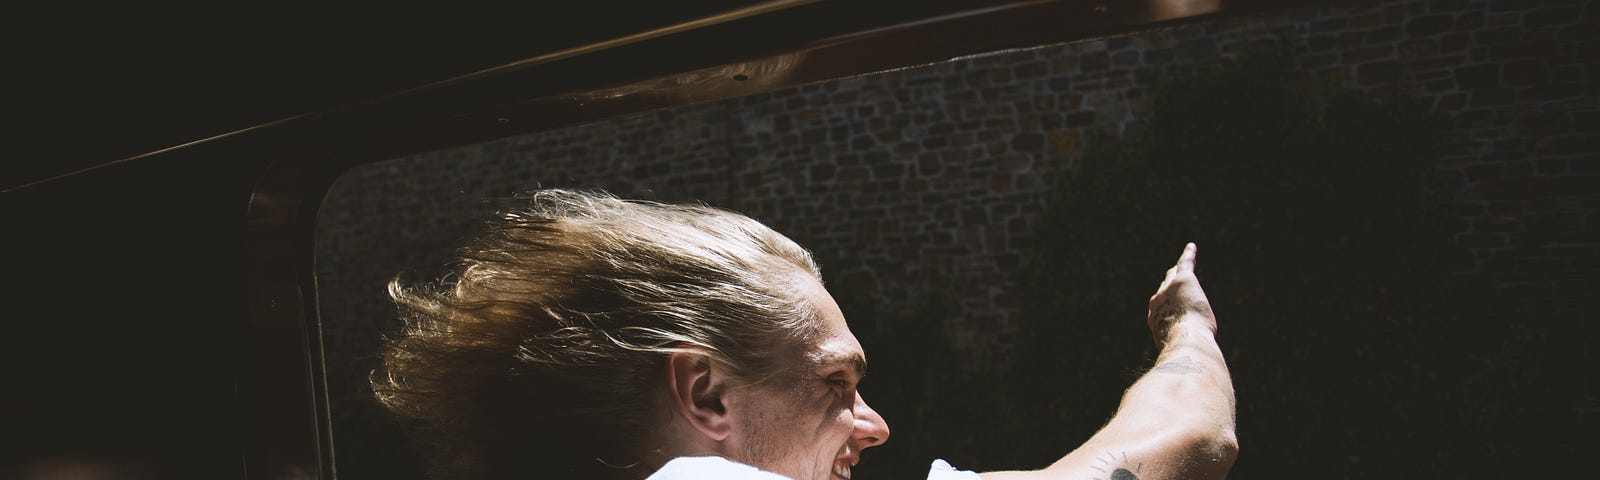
(591, 337)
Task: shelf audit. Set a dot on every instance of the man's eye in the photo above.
(839, 383)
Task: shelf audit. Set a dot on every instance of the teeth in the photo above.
(841, 470)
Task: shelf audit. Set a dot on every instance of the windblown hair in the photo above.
(544, 352)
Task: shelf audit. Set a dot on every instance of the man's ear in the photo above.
(697, 387)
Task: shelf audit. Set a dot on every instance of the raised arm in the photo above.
(1177, 420)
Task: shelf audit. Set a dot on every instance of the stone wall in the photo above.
(933, 176)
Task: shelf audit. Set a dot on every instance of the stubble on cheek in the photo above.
(783, 437)
(758, 445)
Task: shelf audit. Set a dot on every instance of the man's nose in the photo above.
(870, 429)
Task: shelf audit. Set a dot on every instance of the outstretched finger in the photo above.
(1186, 260)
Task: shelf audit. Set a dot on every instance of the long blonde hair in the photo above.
(542, 353)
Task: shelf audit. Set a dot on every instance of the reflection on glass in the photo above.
(1002, 309)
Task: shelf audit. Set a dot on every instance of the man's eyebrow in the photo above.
(853, 359)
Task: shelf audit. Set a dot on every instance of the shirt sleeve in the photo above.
(941, 470)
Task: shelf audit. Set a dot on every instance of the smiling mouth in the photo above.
(848, 457)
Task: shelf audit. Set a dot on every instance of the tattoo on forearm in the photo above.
(1120, 473)
(1179, 366)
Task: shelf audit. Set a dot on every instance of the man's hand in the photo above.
(1177, 421)
(1180, 299)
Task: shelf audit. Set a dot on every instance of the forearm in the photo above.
(1188, 390)
(1177, 421)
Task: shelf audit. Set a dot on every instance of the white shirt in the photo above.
(699, 468)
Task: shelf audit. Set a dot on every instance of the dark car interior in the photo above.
(164, 316)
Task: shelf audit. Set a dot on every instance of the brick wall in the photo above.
(934, 176)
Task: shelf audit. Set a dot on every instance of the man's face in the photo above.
(814, 426)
